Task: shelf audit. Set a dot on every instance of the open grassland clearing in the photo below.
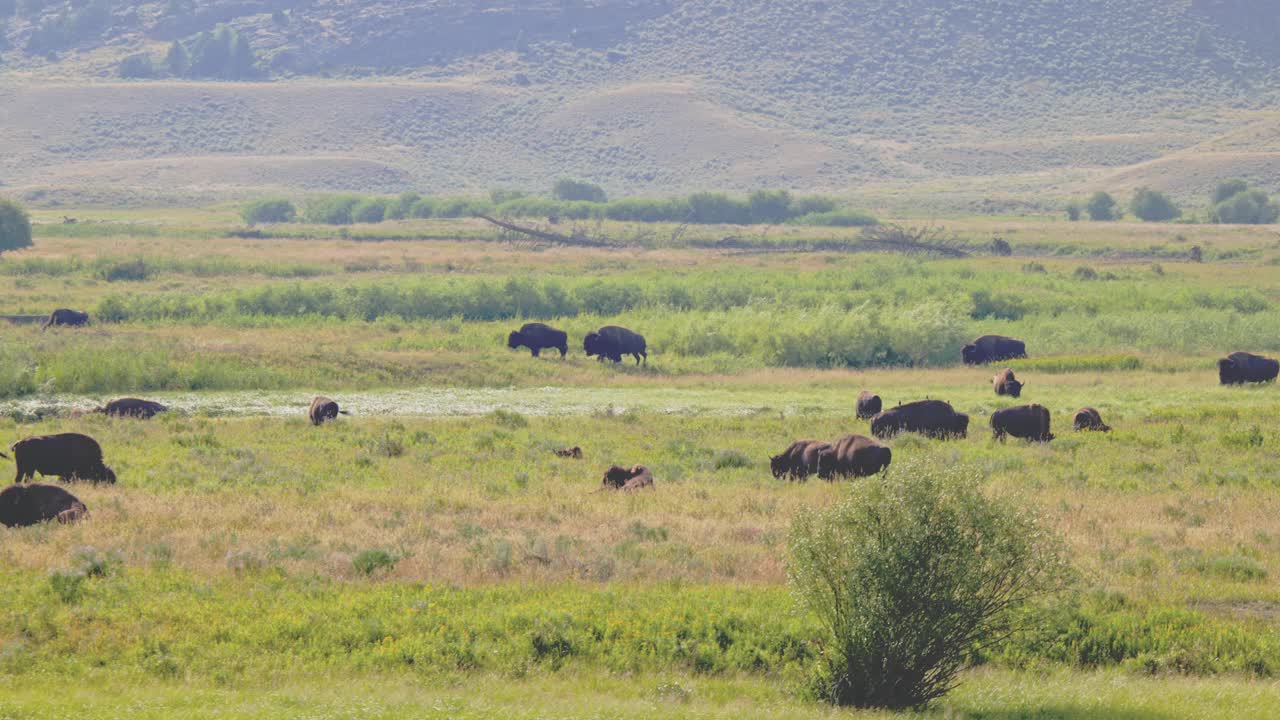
(432, 548)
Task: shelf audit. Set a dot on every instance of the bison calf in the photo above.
(67, 456)
(1242, 367)
(632, 478)
(323, 410)
(1030, 422)
(1005, 383)
(800, 460)
(869, 405)
(538, 337)
(1089, 419)
(23, 505)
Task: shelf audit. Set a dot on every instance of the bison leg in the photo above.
(563, 352)
(534, 351)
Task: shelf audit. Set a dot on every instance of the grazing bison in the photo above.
(1030, 422)
(1005, 383)
(23, 505)
(68, 456)
(855, 456)
(574, 452)
(992, 348)
(1243, 367)
(63, 316)
(538, 337)
(323, 409)
(1089, 419)
(132, 407)
(934, 418)
(800, 460)
(613, 342)
(868, 405)
(632, 478)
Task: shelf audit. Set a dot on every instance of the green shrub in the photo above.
(648, 210)
(461, 207)
(423, 208)
(138, 65)
(718, 208)
(368, 562)
(369, 210)
(331, 209)
(835, 218)
(1102, 207)
(273, 210)
(1153, 206)
(1247, 207)
(1073, 211)
(769, 206)
(566, 189)
(1228, 189)
(402, 206)
(911, 574)
(125, 270)
(15, 226)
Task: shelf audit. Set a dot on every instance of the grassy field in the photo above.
(429, 555)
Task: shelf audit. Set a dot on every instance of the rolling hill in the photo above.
(949, 103)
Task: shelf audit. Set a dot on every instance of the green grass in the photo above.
(251, 562)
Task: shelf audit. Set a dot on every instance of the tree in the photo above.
(1073, 211)
(370, 210)
(178, 60)
(137, 65)
(912, 573)
(1153, 206)
(769, 206)
(15, 226)
(273, 210)
(1248, 207)
(566, 189)
(1101, 207)
(1227, 189)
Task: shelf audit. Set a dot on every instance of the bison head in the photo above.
(591, 344)
(107, 475)
(970, 354)
(514, 339)
(778, 465)
(616, 477)
(1227, 372)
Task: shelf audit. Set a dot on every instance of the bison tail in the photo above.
(344, 412)
(6, 457)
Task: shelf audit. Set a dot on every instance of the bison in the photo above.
(538, 337)
(63, 316)
(67, 456)
(934, 418)
(992, 348)
(855, 456)
(1089, 419)
(632, 478)
(613, 342)
(1030, 422)
(1242, 367)
(868, 405)
(323, 409)
(23, 505)
(132, 407)
(800, 460)
(1005, 383)
(574, 452)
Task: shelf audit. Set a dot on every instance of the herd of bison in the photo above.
(74, 456)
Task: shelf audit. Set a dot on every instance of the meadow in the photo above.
(429, 555)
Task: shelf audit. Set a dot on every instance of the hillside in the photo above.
(959, 101)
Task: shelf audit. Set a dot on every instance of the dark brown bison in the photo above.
(132, 407)
(992, 348)
(323, 409)
(934, 418)
(1005, 383)
(63, 316)
(23, 505)
(1243, 367)
(538, 337)
(868, 405)
(800, 460)
(855, 456)
(1030, 422)
(613, 342)
(632, 478)
(1089, 419)
(574, 452)
(67, 456)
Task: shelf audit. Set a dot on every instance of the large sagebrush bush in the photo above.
(910, 575)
